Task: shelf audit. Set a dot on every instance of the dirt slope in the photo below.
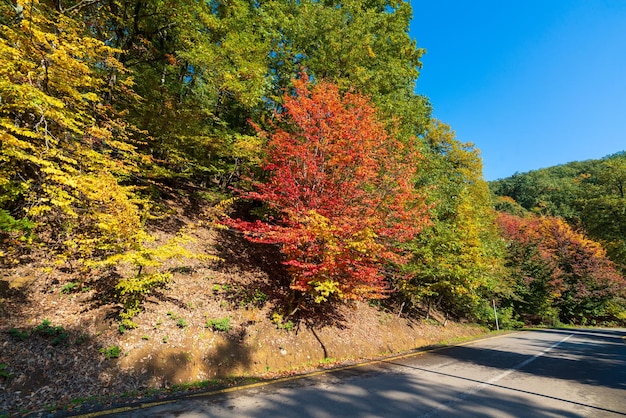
(61, 349)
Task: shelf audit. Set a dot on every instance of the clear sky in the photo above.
(532, 83)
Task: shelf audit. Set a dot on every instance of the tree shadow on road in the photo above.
(379, 390)
(591, 356)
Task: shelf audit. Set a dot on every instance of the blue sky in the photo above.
(532, 83)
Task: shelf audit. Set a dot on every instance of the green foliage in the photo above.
(4, 371)
(590, 194)
(20, 335)
(507, 317)
(221, 288)
(82, 338)
(252, 297)
(219, 324)
(69, 287)
(10, 224)
(110, 352)
(457, 261)
(359, 45)
(57, 334)
(280, 322)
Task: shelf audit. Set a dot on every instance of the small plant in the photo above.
(280, 322)
(172, 315)
(159, 322)
(82, 338)
(165, 339)
(57, 333)
(69, 287)
(219, 324)
(181, 323)
(288, 325)
(253, 298)
(113, 351)
(4, 373)
(218, 288)
(127, 322)
(20, 335)
(145, 337)
(45, 328)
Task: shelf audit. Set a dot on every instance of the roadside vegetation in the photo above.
(148, 141)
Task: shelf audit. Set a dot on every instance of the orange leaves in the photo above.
(580, 279)
(342, 188)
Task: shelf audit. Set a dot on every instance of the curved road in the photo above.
(549, 373)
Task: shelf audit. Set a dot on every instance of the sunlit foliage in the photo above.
(560, 273)
(340, 194)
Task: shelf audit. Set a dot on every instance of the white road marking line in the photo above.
(493, 380)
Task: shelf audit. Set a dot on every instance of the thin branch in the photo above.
(81, 4)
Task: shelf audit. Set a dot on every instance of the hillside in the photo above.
(59, 344)
(194, 190)
(590, 195)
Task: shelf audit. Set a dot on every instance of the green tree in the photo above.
(457, 262)
(587, 194)
(200, 68)
(602, 205)
(360, 45)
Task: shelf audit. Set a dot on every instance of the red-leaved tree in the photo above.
(560, 269)
(341, 191)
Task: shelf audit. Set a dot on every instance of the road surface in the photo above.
(548, 373)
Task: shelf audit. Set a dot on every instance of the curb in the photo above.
(208, 393)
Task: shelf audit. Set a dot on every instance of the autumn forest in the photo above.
(296, 125)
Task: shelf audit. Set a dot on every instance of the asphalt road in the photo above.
(551, 373)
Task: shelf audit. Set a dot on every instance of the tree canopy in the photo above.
(111, 109)
(340, 194)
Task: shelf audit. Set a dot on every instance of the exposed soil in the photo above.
(71, 362)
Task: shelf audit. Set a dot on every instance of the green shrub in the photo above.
(280, 322)
(219, 324)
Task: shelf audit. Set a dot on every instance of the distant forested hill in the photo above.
(587, 194)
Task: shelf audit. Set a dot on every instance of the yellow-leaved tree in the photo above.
(67, 153)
